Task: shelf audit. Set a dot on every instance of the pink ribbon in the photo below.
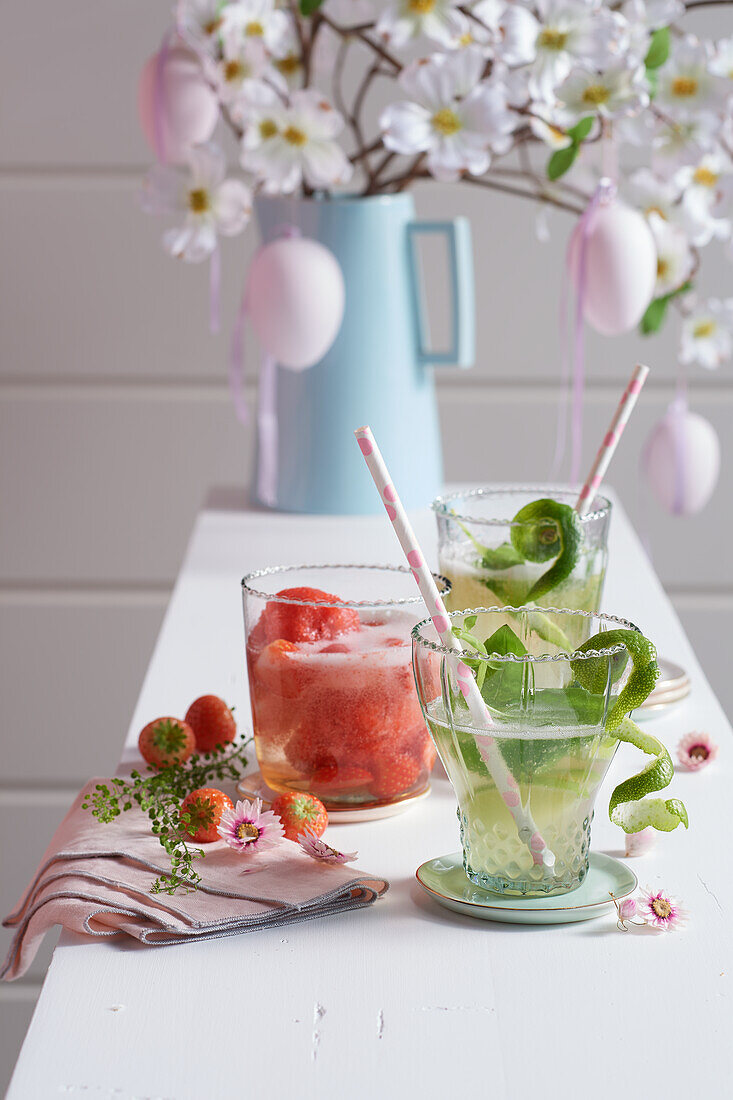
(604, 194)
(678, 412)
(267, 427)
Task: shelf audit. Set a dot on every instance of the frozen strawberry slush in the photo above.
(334, 703)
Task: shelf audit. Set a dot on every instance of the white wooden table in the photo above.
(403, 998)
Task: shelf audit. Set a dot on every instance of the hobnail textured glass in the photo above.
(549, 731)
(486, 515)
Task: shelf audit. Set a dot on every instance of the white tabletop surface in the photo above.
(402, 998)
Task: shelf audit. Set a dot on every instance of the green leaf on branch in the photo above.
(309, 7)
(658, 49)
(579, 132)
(653, 319)
(656, 311)
(561, 161)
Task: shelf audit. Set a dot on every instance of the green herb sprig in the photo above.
(159, 794)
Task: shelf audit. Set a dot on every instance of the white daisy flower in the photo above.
(211, 204)
(707, 334)
(707, 190)
(567, 33)
(257, 19)
(452, 115)
(438, 20)
(685, 84)
(675, 259)
(617, 92)
(652, 194)
(286, 144)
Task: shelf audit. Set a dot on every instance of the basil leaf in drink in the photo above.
(546, 529)
(503, 557)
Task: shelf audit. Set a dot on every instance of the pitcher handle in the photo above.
(462, 350)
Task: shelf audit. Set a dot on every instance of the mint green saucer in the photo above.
(445, 880)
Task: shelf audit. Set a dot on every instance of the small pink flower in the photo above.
(625, 911)
(248, 829)
(316, 848)
(637, 844)
(696, 750)
(661, 911)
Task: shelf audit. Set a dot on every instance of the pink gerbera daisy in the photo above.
(316, 848)
(660, 910)
(695, 750)
(247, 828)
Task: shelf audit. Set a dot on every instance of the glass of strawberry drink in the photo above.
(334, 706)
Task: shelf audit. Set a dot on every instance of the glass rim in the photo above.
(527, 658)
(444, 584)
(441, 504)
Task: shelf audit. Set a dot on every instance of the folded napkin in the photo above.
(95, 879)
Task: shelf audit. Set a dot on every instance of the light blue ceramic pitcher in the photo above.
(378, 371)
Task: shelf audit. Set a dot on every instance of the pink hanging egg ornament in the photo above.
(295, 294)
(620, 267)
(176, 105)
(681, 461)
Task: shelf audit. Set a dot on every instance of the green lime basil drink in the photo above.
(513, 547)
(555, 717)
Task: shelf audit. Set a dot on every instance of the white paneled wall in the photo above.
(115, 418)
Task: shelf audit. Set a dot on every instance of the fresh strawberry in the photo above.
(278, 672)
(307, 750)
(204, 808)
(394, 775)
(299, 623)
(334, 779)
(166, 741)
(299, 812)
(212, 722)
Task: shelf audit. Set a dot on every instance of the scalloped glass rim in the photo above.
(576, 655)
(444, 585)
(441, 504)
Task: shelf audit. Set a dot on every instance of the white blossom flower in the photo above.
(284, 144)
(675, 259)
(652, 194)
(707, 190)
(707, 334)
(257, 19)
(646, 16)
(243, 59)
(438, 20)
(721, 63)
(547, 131)
(211, 204)
(200, 20)
(616, 92)
(685, 84)
(684, 141)
(567, 33)
(452, 115)
(481, 27)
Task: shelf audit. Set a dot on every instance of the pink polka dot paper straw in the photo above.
(490, 754)
(611, 438)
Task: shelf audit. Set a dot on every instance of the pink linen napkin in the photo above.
(95, 879)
